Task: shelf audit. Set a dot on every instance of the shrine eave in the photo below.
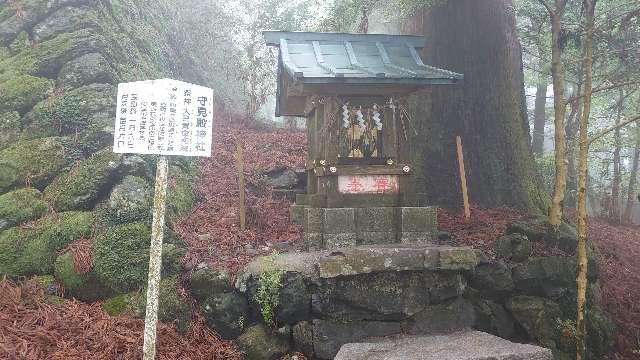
(355, 58)
(339, 63)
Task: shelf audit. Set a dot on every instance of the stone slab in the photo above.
(363, 259)
(462, 345)
(368, 259)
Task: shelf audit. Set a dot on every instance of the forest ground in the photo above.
(34, 327)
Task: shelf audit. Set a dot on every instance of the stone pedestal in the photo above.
(332, 228)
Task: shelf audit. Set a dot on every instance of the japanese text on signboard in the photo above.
(165, 117)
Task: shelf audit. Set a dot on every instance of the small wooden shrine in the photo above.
(350, 88)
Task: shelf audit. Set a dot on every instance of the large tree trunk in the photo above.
(539, 118)
(477, 38)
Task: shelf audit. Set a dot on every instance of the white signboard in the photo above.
(164, 117)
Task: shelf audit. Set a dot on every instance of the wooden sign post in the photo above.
(162, 117)
(463, 179)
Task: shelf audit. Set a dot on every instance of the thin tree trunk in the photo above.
(539, 118)
(614, 217)
(559, 105)
(633, 178)
(571, 129)
(581, 251)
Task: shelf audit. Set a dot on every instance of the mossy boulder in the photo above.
(33, 250)
(85, 286)
(130, 200)
(493, 318)
(9, 128)
(180, 195)
(493, 280)
(64, 20)
(21, 42)
(538, 317)
(118, 304)
(172, 307)
(85, 183)
(35, 161)
(85, 70)
(45, 59)
(121, 256)
(209, 282)
(550, 276)
(172, 256)
(538, 228)
(20, 93)
(85, 112)
(258, 343)
(515, 247)
(19, 206)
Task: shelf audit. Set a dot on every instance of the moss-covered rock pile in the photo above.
(60, 183)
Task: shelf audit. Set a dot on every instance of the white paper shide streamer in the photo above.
(360, 118)
(376, 117)
(345, 117)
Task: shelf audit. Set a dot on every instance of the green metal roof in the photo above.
(356, 58)
(343, 64)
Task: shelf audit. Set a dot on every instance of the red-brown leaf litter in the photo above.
(33, 327)
(212, 231)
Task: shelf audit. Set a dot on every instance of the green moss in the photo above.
(85, 183)
(81, 286)
(268, 293)
(33, 250)
(172, 307)
(46, 58)
(172, 258)
(206, 283)
(129, 201)
(19, 206)
(43, 281)
(180, 196)
(81, 112)
(121, 256)
(20, 43)
(21, 92)
(35, 161)
(117, 305)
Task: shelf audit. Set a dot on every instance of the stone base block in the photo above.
(371, 225)
(296, 214)
(337, 241)
(461, 345)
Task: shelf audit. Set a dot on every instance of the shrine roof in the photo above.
(341, 64)
(325, 58)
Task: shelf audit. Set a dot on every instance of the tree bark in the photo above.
(581, 251)
(633, 179)
(560, 109)
(539, 118)
(479, 39)
(614, 217)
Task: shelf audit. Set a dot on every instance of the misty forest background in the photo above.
(241, 70)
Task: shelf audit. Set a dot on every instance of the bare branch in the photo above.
(547, 6)
(603, 88)
(606, 131)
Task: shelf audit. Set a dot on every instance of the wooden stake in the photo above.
(155, 260)
(241, 205)
(463, 179)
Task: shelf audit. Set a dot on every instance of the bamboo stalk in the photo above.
(463, 179)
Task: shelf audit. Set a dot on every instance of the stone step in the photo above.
(460, 345)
